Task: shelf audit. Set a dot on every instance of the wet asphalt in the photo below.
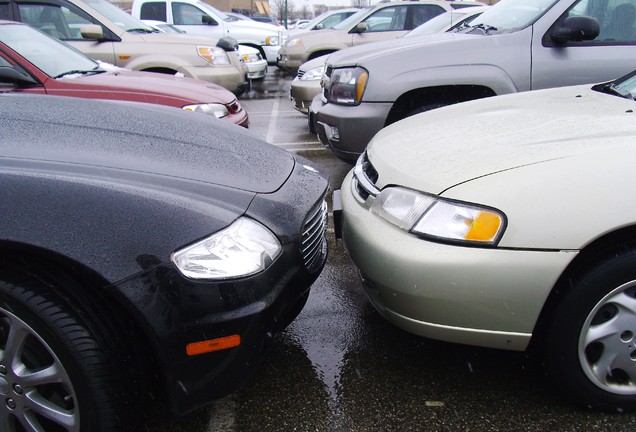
(341, 367)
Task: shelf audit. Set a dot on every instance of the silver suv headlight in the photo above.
(348, 85)
(440, 219)
(244, 248)
(216, 109)
(213, 55)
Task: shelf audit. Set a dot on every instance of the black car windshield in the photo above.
(511, 15)
(120, 17)
(51, 56)
(344, 25)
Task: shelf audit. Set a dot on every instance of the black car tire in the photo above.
(52, 336)
(580, 339)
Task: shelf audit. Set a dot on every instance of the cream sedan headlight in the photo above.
(313, 74)
(213, 55)
(216, 109)
(439, 219)
(244, 248)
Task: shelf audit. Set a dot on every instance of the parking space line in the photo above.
(271, 129)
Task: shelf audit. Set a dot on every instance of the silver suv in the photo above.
(514, 46)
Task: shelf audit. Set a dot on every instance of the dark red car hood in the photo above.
(140, 87)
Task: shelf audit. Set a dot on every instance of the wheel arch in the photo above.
(320, 53)
(256, 46)
(418, 98)
(162, 70)
(612, 243)
(110, 316)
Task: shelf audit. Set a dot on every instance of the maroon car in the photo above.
(33, 62)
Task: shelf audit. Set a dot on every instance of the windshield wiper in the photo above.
(613, 89)
(485, 27)
(142, 30)
(79, 72)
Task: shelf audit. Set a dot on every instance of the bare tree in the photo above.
(359, 3)
(279, 9)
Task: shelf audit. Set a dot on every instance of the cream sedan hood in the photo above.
(559, 163)
(439, 149)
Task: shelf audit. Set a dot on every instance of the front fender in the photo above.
(401, 82)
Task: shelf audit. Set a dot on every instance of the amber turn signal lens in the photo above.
(211, 345)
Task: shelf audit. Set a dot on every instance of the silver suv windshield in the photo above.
(51, 56)
(120, 17)
(344, 25)
(512, 15)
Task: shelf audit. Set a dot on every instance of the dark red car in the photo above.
(33, 62)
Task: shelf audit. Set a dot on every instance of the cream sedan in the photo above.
(506, 221)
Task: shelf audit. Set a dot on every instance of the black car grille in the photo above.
(314, 238)
(300, 73)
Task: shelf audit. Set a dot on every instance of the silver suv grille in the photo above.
(314, 238)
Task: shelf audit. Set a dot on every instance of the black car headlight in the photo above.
(244, 248)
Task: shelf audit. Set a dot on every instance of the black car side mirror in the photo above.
(575, 29)
(228, 44)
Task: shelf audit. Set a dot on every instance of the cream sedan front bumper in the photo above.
(489, 297)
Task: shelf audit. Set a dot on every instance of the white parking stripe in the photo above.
(271, 129)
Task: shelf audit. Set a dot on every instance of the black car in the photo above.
(142, 249)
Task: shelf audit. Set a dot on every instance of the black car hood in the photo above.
(162, 141)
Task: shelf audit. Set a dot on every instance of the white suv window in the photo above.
(186, 14)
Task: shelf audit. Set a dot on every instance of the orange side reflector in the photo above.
(211, 345)
(124, 57)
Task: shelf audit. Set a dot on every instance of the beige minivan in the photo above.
(104, 32)
(376, 23)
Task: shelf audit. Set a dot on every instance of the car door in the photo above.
(63, 20)
(395, 21)
(609, 56)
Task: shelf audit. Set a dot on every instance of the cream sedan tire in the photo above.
(592, 341)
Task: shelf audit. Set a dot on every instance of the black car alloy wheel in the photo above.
(54, 374)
